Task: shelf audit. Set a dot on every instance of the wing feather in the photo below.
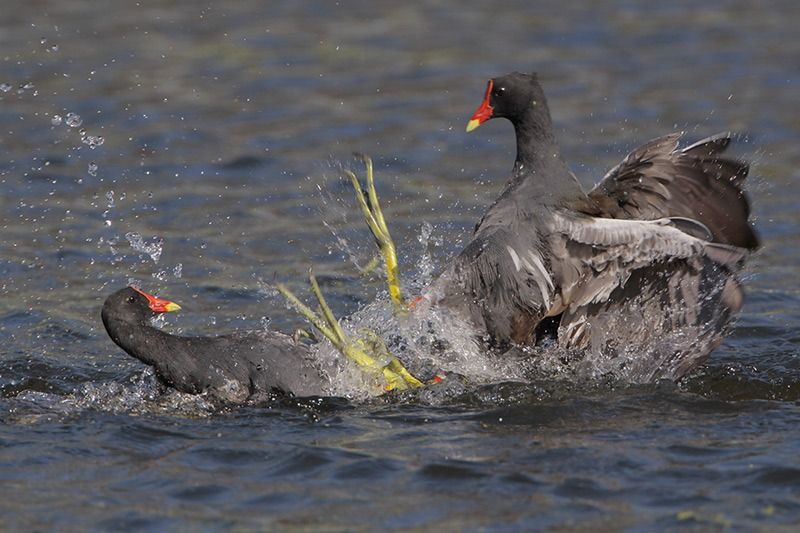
(658, 180)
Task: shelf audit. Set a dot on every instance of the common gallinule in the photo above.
(237, 366)
(651, 251)
(231, 367)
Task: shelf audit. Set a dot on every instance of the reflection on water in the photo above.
(183, 146)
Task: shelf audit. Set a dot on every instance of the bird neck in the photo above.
(540, 175)
(536, 143)
(139, 339)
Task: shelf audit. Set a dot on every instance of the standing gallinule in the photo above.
(651, 252)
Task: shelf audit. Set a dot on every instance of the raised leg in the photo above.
(371, 209)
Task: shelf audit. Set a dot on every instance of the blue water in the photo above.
(220, 123)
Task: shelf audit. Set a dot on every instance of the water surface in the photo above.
(220, 122)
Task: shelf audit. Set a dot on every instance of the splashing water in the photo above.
(266, 289)
(152, 249)
(109, 206)
(427, 343)
(73, 120)
(334, 211)
(93, 141)
(427, 266)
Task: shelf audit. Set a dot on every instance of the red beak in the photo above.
(158, 305)
(484, 111)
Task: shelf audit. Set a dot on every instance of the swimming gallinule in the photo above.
(237, 366)
(232, 367)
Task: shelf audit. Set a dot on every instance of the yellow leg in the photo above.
(373, 215)
(394, 373)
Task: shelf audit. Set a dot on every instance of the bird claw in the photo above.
(300, 334)
(395, 375)
(373, 215)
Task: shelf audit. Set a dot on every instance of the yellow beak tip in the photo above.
(472, 124)
(172, 306)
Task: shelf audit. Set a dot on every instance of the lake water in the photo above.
(220, 123)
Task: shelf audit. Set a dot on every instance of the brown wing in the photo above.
(648, 299)
(658, 180)
(594, 256)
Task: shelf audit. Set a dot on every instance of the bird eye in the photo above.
(500, 91)
(131, 299)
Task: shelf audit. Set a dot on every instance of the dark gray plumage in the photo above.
(665, 230)
(231, 367)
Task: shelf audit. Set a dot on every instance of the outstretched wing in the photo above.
(595, 256)
(662, 323)
(508, 281)
(658, 180)
(649, 299)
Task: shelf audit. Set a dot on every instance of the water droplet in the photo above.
(159, 320)
(93, 141)
(74, 120)
(5, 87)
(178, 270)
(92, 170)
(153, 248)
(56, 120)
(110, 198)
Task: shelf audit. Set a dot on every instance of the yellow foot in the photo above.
(394, 374)
(371, 208)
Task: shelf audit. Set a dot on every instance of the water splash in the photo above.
(163, 275)
(93, 141)
(49, 48)
(152, 248)
(266, 289)
(26, 87)
(427, 342)
(427, 267)
(109, 206)
(73, 120)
